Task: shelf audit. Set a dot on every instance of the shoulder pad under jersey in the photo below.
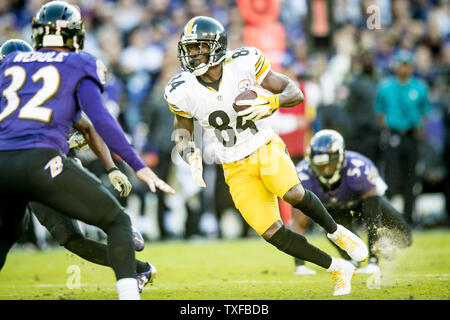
(176, 93)
(93, 68)
(251, 59)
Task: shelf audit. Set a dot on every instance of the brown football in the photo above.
(245, 95)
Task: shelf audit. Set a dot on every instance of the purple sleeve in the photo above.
(77, 117)
(305, 176)
(90, 100)
(359, 171)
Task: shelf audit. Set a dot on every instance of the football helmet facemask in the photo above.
(14, 45)
(198, 31)
(325, 156)
(58, 24)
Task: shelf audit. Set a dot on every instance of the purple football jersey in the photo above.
(38, 107)
(358, 176)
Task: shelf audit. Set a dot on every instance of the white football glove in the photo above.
(120, 182)
(262, 106)
(195, 161)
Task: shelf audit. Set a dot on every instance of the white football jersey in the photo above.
(235, 138)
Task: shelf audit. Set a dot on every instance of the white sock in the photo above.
(128, 289)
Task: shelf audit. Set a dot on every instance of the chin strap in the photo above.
(200, 70)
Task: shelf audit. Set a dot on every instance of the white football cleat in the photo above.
(371, 268)
(304, 271)
(350, 243)
(342, 273)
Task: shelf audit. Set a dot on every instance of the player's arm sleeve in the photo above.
(77, 116)
(304, 176)
(90, 100)
(261, 64)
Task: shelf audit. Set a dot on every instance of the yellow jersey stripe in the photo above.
(263, 69)
(261, 65)
(174, 107)
(176, 110)
(182, 113)
(259, 61)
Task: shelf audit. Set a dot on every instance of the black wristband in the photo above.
(111, 170)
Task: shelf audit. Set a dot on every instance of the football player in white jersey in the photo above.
(256, 164)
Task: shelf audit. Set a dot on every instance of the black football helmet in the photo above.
(202, 30)
(325, 156)
(58, 24)
(14, 45)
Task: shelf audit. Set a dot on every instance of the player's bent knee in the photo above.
(267, 235)
(295, 194)
(282, 239)
(72, 242)
(64, 235)
(122, 219)
(113, 220)
(60, 227)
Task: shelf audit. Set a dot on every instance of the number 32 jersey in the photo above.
(38, 106)
(234, 137)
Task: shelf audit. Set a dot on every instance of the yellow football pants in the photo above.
(256, 181)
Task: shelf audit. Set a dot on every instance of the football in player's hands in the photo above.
(245, 95)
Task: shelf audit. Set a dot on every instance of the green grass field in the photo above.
(247, 269)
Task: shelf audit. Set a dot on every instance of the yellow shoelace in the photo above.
(338, 278)
(347, 243)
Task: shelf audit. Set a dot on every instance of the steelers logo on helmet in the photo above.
(58, 24)
(325, 155)
(208, 37)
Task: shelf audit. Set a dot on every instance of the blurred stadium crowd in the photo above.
(338, 51)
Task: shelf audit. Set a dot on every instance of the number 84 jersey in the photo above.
(234, 137)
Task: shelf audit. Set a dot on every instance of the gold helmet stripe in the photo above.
(190, 25)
